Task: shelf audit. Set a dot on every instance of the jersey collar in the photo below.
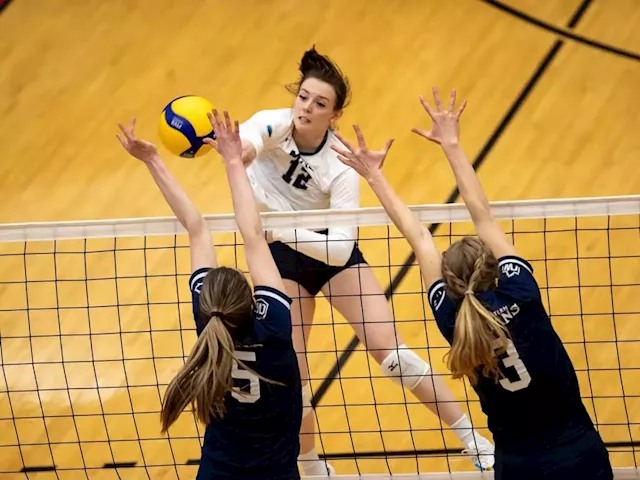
(320, 147)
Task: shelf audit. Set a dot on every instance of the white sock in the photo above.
(311, 463)
(464, 430)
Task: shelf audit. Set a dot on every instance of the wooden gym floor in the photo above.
(549, 116)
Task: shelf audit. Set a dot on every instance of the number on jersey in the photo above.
(511, 359)
(239, 373)
(297, 175)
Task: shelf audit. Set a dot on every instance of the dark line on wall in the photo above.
(479, 160)
(564, 33)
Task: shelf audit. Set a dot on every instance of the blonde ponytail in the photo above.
(204, 380)
(470, 267)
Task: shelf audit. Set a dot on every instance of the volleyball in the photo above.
(183, 125)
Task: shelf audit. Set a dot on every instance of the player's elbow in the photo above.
(338, 253)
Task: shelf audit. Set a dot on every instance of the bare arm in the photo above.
(262, 267)
(368, 164)
(200, 242)
(445, 131)
(419, 238)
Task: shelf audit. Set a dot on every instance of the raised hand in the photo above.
(364, 161)
(445, 128)
(227, 143)
(140, 149)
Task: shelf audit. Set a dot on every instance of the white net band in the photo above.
(318, 219)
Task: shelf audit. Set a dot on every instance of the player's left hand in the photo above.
(140, 149)
(445, 128)
(364, 161)
(227, 143)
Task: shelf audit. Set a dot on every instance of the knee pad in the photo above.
(306, 400)
(405, 367)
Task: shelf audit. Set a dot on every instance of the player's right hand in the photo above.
(227, 143)
(364, 161)
(140, 149)
(445, 129)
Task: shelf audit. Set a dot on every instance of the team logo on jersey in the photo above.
(261, 308)
(438, 297)
(510, 269)
(507, 312)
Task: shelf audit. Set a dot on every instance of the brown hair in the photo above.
(226, 303)
(469, 267)
(321, 67)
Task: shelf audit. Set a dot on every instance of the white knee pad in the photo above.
(405, 367)
(306, 400)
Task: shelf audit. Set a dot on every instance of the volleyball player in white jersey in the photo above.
(292, 166)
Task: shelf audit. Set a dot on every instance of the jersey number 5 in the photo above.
(301, 178)
(239, 373)
(511, 358)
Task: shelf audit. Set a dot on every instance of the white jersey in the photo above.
(285, 179)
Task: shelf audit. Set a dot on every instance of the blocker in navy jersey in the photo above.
(537, 406)
(260, 429)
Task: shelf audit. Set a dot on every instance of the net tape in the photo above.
(317, 219)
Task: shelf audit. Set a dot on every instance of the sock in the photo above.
(464, 430)
(311, 463)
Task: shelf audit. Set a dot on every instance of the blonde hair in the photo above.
(226, 302)
(469, 267)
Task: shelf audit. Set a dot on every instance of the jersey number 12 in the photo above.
(511, 358)
(301, 178)
(239, 373)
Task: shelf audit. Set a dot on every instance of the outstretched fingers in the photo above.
(461, 109)
(452, 100)
(421, 131)
(387, 145)
(345, 142)
(436, 98)
(360, 136)
(427, 107)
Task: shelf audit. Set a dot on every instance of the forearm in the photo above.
(332, 249)
(468, 183)
(399, 213)
(180, 203)
(244, 204)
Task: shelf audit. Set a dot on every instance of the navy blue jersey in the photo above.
(537, 404)
(258, 436)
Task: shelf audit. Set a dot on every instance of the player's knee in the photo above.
(405, 367)
(306, 400)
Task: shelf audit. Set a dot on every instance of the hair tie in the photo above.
(468, 292)
(220, 315)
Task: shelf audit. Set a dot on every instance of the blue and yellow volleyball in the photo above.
(183, 125)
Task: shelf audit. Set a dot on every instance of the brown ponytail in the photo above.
(226, 301)
(205, 379)
(468, 268)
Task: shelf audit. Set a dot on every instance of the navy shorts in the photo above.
(308, 272)
(585, 458)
